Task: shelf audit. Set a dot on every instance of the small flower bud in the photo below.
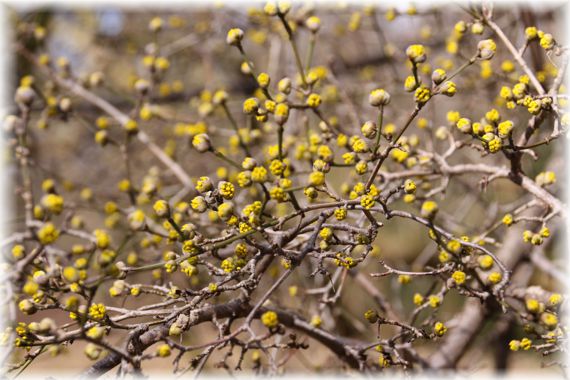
(371, 316)
(448, 88)
(246, 68)
(504, 129)
(321, 166)
(270, 8)
(531, 33)
(547, 41)
(199, 204)
(156, 24)
(492, 142)
(263, 79)
(422, 94)
(93, 351)
(101, 138)
(131, 126)
(163, 350)
(486, 49)
(27, 307)
(234, 37)
(270, 319)
(220, 97)
(204, 184)
(65, 105)
(249, 163)
(514, 345)
(369, 129)
(201, 142)
(464, 125)
(281, 113)
(379, 97)
(284, 85)
(477, 28)
(25, 96)
(250, 106)
(96, 332)
(96, 79)
(416, 53)
(409, 186)
(161, 208)
(429, 209)
(179, 325)
(225, 210)
(438, 76)
(410, 83)
(313, 23)
(137, 220)
(226, 189)
(284, 6)
(70, 274)
(439, 329)
(460, 27)
(11, 122)
(142, 86)
(314, 100)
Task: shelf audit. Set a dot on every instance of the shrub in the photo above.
(337, 179)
